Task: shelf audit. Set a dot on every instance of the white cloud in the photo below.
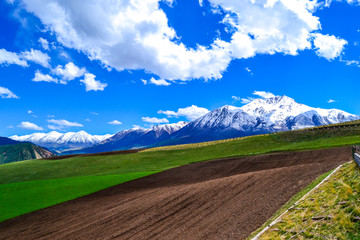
(135, 35)
(91, 84)
(130, 35)
(144, 81)
(40, 77)
(44, 43)
(7, 57)
(30, 126)
(69, 72)
(235, 98)
(160, 82)
(246, 100)
(242, 100)
(154, 120)
(36, 56)
(95, 113)
(53, 127)
(193, 112)
(328, 46)
(64, 123)
(351, 62)
(32, 113)
(115, 122)
(263, 94)
(331, 101)
(21, 59)
(6, 93)
(268, 27)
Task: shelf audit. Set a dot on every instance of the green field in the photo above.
(30, 185)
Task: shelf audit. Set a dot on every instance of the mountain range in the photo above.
(279, 113)
(134, 138)
(59, 142)
(264, 115)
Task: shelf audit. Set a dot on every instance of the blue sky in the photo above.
(70, 65)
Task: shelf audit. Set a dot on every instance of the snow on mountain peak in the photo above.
(62, 141)
(269, 114)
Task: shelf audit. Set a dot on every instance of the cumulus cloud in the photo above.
(91, 84)
(263, 94)
(40, 77)
(7, 57)
(329, 47)
(160, 82)
(21, 59)
(44, 43)
(69, 72)
(30, 126)
(64, 123)
(135, 35)
(268, 27)
(6, 93)
(193, 112)
(154, 120)
(331, 101)
(36, 56)
(115, 122)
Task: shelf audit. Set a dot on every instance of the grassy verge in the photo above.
(23, 197)
(292, 201)
(330, 212)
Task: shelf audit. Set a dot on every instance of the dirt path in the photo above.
(221, 199)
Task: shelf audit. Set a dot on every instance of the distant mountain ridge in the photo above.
(134, 138)
(62, 141)
(263, 115)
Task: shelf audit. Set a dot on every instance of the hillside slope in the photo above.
(22, 151)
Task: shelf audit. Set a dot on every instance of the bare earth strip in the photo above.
(220, 199)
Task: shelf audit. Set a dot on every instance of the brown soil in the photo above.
(220, 199)
(95, 154)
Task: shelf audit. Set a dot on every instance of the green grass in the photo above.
(23, 197)
(148, 161)
(337, 200)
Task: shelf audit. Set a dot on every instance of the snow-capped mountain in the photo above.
(62, 141)
(134, 138)
(279, 113)
(265, 115)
